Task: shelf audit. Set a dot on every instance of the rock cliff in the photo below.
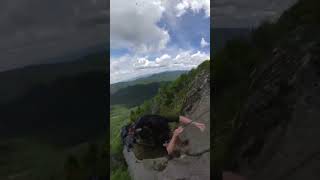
(279, 130)
(196, 165)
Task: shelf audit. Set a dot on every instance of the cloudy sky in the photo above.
(146, 35)
(246, 13)
(35, 31)
(151, 36)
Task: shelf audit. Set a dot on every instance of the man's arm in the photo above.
(173, 141)
(171, 145)
(186, 121)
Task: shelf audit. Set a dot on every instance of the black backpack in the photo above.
(152, 130)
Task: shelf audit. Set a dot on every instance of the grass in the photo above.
(119, 116)
(120, 174)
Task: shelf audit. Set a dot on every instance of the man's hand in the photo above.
(201, 126)
(178, 131)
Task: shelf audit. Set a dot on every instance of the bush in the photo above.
(120, 174)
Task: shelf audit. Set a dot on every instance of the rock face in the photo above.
(278, 137)
(196, 165)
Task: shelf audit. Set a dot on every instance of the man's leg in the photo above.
(184, 120)
(173, 142)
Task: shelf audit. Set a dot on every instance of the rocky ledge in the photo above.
(195, 165)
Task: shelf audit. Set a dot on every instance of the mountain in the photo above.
(266, 101)
(67, 111)
(136, 94)
(51, 113)
(53, 122)
(164, 76)
(14, 83)
(188, 95)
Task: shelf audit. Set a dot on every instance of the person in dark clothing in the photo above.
(157, 128)
(175, 145)
(127, 137)
(151, 136)
(124, 133)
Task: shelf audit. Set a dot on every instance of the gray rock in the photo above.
(280, 131)
(197, 167)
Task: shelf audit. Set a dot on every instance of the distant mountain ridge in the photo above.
(159, 77)
(74, 105)
(136, 94)
(14, 83)
(50, 112)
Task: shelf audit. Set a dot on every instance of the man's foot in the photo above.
(165, 144)
(201, 126)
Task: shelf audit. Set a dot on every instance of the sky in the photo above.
(147, 36)
(246, 13)
(37, 31)
(152, 36)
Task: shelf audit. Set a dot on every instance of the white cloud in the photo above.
(194, 5)
(204, 43)
(133, 25)
(144, 62)
(128, 67)
(163, 60)
(189, 59)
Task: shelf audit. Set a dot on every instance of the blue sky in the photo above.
(152, 36)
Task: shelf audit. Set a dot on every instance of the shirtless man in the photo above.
(171, 146)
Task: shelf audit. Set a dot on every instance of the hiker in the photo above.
(156, 129)
(175, 141)
(127, 137)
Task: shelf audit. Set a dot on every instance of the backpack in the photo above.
(152, 130)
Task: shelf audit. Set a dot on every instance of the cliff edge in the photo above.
(196, 165)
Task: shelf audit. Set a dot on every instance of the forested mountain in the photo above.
(171, 98)
(68, 110)
(160, 77)
(55, 120)
(136, 94)
(14, 83)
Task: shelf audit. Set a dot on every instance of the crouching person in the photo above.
(175, 145)
(150, 136)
